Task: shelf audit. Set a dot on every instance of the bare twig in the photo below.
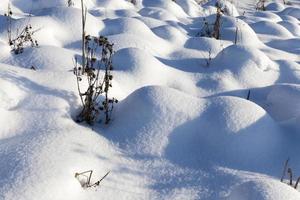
(289, 171)
(284, 168)
(248, 95)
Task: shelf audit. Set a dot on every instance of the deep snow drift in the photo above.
(183, 129)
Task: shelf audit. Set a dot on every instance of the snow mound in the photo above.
(69, 20)
(270, 28)
(114, 4)
(44, 57)
(264, 189)
(249, 64)
(289, 19)
(113, 14)
(274, 99)
(289, 45)
(190, 7)
(292, 27)
(241, 30)
(170, 34)
(32, 5)
(187, 138)
(275, 6)
(236, 123)
(230, 27)
(290, 11)
(131, 32)
(227, 7)
(152, 22)
(157, 13)
(127, 25)
(155, 112)
(143, 69)
(167, 6)
(204, 44)
(267, 16)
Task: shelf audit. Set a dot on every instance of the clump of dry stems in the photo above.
(94, 76)
(23, 38)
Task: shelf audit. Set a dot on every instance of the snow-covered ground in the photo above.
(182, 129)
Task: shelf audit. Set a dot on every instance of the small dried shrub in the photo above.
(134, 2)
(260, 5)
(93, 86)
(212, 30)
(98, 57)
(70, 3)
(22, 39)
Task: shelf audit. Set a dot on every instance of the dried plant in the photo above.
(134, 2)
(70, 3)
(22, 39)
(217, 24)
(96, 56)
(212, 30)
(260, 5)
(8, 16)
(97, 85)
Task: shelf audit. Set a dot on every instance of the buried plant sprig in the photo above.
(85, 177)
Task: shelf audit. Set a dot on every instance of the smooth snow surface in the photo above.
(183, 128)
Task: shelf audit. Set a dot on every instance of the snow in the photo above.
(198, 118)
